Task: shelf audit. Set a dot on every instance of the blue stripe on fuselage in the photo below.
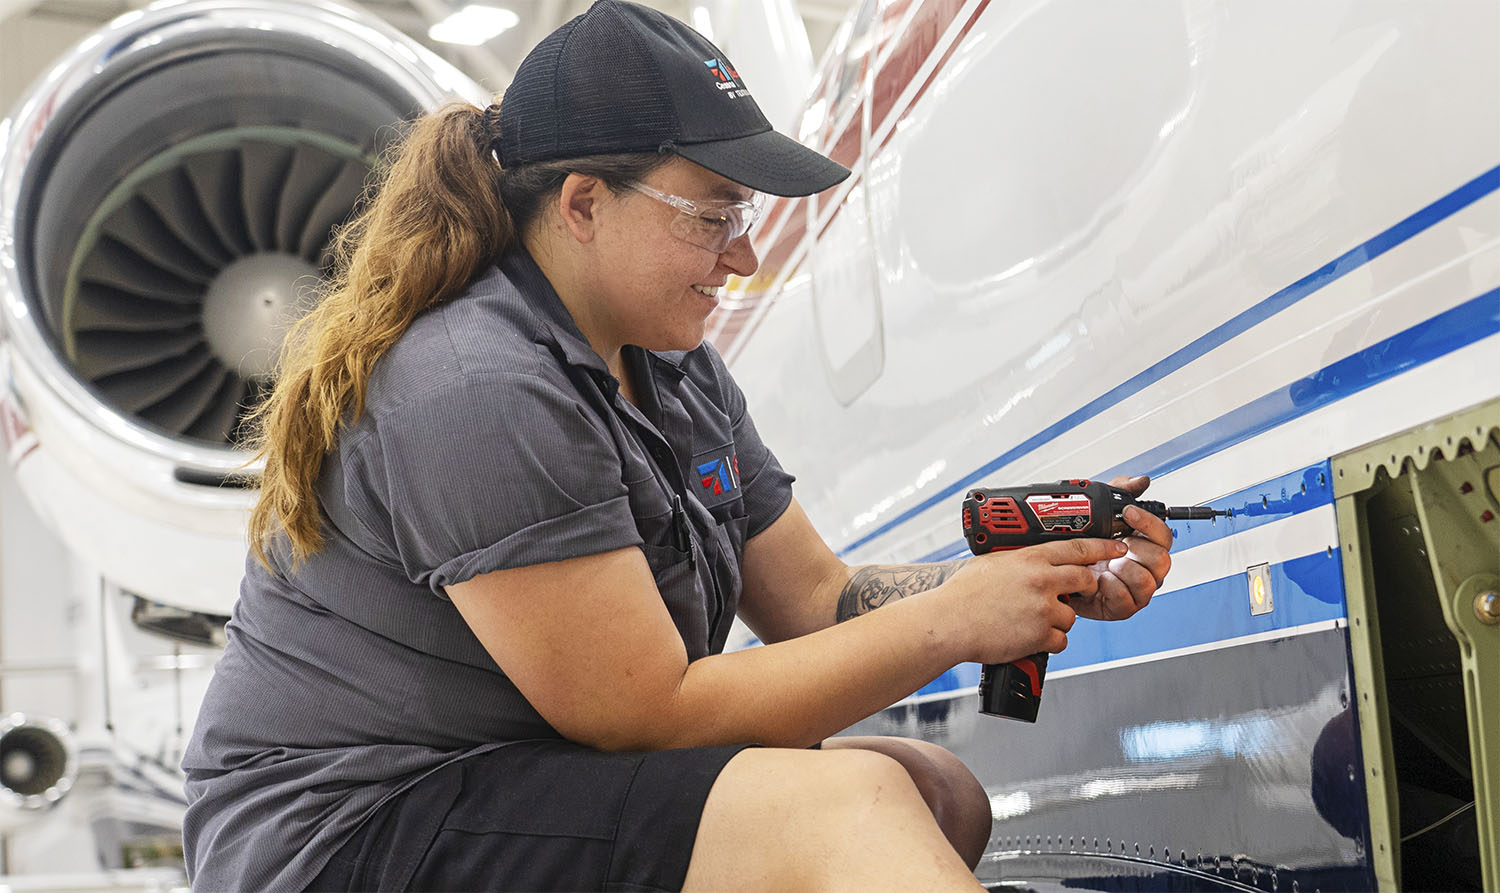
(1442, 334)
(1304, 590)
(1459, 327)
(1450, 204)
(1282, 497)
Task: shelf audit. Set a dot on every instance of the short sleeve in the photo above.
(489, 472)
(767, 486)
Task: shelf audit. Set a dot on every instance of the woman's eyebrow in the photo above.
(732, 194)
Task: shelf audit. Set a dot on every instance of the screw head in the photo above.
(1487, 607)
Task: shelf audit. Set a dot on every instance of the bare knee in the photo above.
(957, 799)
(789, 819)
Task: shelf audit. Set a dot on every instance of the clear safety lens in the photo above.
(708, 224)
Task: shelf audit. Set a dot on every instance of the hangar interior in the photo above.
(1078, 239)
(78, 652)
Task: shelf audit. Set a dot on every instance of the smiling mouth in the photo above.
(708, 291)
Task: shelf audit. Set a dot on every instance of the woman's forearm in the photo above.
(800, 691)
(873, 585)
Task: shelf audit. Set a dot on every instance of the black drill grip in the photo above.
(1013, 690)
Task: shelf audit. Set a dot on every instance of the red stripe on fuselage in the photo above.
(917, 42)
(932, 21)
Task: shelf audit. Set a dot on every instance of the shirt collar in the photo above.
(556, 325)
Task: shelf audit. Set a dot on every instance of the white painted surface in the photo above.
(1065, 207)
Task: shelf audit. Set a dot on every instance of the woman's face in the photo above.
(656, 290)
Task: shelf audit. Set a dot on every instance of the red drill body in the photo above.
(1002, 518)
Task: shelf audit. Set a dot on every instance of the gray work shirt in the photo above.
(493, 436)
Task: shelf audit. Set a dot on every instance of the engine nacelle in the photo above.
(167, 193)
(38, 766)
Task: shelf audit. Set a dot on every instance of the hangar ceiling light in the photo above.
(473, 25)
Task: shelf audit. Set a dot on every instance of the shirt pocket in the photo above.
(680, 578)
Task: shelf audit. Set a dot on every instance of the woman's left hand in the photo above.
(1127, 584)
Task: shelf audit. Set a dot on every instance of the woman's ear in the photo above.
(576, 204)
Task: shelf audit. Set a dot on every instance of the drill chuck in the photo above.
(1193, 513)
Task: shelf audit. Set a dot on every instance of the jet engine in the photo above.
(167, 193)
(38, 765)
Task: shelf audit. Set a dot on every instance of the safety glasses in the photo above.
(707, 224)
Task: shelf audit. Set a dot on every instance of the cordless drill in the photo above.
(1012, 517)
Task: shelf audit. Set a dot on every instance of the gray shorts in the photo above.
(537, 815)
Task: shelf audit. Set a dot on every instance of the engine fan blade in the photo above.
(313, 172)
(117, 265)
(136, 389)
(216, 180)
(172, 196)
(107, 353)
(218, 422)
(136, 225)
(101, 307)
(186, 405)
(263, 171)
(332, 208)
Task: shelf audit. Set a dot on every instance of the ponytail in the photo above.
(434, 219)
(441, 210)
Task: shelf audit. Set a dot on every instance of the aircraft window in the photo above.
(846, 300)
(856, 59)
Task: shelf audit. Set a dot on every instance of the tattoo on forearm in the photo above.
(876, 584)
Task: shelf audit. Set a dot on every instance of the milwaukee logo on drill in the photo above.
(1061, 512)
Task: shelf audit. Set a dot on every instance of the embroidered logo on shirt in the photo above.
(718, 476)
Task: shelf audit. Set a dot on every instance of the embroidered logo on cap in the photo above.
(725, 78)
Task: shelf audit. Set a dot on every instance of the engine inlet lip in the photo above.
(18, 723)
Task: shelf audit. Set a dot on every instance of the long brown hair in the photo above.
(440, 210)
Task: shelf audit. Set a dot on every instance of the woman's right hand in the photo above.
(1013, 603)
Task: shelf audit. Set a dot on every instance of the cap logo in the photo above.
(725, 78)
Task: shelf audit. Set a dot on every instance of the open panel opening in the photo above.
(1418, 519)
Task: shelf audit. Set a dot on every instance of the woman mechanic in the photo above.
(478, 641)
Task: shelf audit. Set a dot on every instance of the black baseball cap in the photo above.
(623, 78)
